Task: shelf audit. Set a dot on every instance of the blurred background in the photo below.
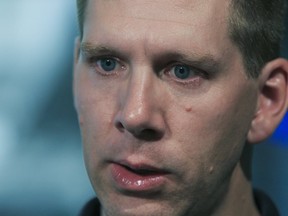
(41, 167)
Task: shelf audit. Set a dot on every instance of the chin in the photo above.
(131, 206)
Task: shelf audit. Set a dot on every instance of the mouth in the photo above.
(137, 177)
(144, 170)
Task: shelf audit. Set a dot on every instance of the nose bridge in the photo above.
(138, 102)
(140, 110)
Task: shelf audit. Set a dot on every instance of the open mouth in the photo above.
(138, 177)
(143, 172)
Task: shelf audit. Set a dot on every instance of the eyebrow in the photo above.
(205, 62)
(90, 50)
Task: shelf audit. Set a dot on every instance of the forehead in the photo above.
(159, 8)
(163, 23)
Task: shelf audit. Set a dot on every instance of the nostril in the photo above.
(149, 135)
(149, 132)
(120, 126)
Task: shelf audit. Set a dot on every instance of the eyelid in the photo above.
(90, 52)
(192, 82)
(196, 70)
(95, 58)
(93, 62)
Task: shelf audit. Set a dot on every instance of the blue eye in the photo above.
(107, 64)
(182, 71)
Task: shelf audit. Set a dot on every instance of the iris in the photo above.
(182, 72)
(107, 64)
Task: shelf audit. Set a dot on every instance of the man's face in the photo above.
(164, 105)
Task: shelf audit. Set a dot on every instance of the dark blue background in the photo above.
(41, 166)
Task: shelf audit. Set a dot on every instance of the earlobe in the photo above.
(272, 100)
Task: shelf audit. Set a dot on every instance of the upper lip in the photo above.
(142, 166)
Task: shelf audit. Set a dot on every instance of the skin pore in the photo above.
(160, 83)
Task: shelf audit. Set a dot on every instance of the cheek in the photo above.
(95, 104)
(95, 125)
(213, 130)
(95, 113)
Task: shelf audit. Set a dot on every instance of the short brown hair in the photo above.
(81, 5)
(256, 27)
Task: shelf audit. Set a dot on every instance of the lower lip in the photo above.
(129, 181)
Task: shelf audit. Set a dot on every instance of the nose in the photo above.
(140, 113)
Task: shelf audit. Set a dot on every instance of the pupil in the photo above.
(182, 72)
(108, 64)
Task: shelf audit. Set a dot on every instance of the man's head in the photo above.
(165, 106)
(255, 26)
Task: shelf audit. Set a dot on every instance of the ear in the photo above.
(272, 100)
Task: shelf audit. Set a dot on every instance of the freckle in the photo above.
(211, 170)
(188, 109)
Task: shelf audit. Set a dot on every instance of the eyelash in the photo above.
(193, 80)
(95, 64)
(166, 74)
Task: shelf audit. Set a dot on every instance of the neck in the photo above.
(239, 199)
